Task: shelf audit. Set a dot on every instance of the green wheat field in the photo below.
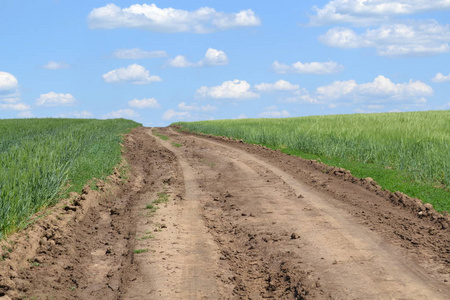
(39, 157)
(409, 152)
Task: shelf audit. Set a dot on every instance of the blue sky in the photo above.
(165, 61)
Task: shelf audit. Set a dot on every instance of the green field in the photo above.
(39, 157)
(408, 152)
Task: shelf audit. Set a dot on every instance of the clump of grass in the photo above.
(39, 157)
(161, 136)
(153, 208)
(138, 251)
(161, 198)
(146, 237)
(177, 145)
(416, 145)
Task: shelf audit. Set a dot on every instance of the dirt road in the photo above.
(207, 218)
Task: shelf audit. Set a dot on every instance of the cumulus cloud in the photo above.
(301, 96)
(144, 103)
(54, 99)
(273, 112)
(413, 38)
(180, 61)
(337, 89)
(8, 82)
(195, 107)
(236, 89)
(121, 113)
(135, 74)
(56, 65)
(9, 93)
(213, 57)
(169, 20)
(14, 106)
(365, 13)
(171, 114)
(9, 88)
(137, 53)
(441, 78)
(280, 85)
(382, 89)
(320, 68)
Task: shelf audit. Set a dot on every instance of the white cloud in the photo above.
(280, 85)
(441, 78)
(371, 12)
(180, 61)
(8, 83)
(319, 68)
(194, 107)
(169, 20)
(137, 53)
(55, 65)
(301, 96)
(344, 38)
(9, 88)
(135, 74)
(16, 106)
(236, 89)
(144, 103)
(242, 116)
(170, 114)
(337, 89)
(413, 38)
(381, 89)
(25, 114)
(213, 57)
(54, 99)
(272, 112)
(384, 87)
(121, 113)
(9, 92)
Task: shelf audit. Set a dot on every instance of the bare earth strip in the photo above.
(241, 222)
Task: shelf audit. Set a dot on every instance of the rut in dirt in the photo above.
(239, 222)
(297, 233)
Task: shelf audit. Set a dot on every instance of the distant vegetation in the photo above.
(413, 145)
(39, 157)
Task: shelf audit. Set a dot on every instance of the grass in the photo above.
(161, 136)
(138, 251)
(408, 152)
(146, 237)
(161, 198)
(41, 160)
(151, 207)
(177, 145)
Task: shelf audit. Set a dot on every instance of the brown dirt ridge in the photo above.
(221, 219)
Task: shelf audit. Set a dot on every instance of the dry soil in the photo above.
(209, 218)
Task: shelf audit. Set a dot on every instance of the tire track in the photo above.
(353, 261)
(200, 268)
